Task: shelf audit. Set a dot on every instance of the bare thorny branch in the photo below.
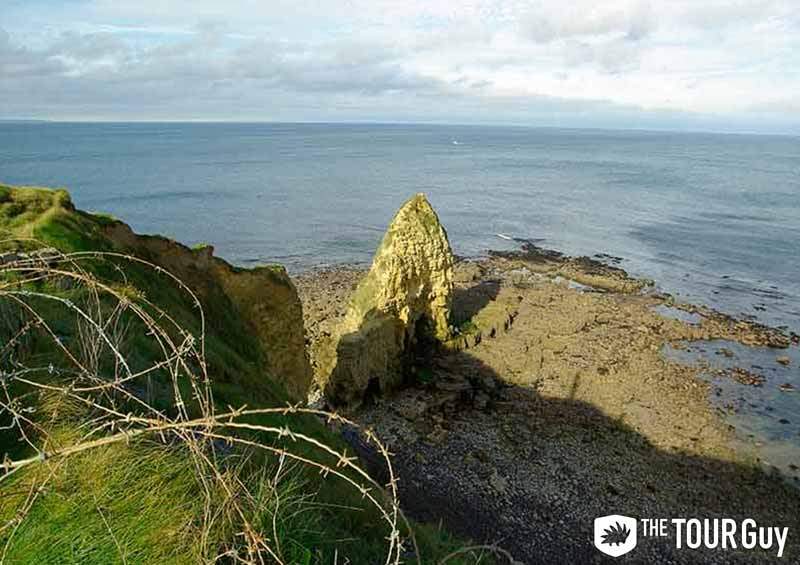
(92, 369)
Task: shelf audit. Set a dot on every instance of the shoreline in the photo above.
(549, 403)
(600, 272)
(556, 403)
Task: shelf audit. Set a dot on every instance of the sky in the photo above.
(719, 65)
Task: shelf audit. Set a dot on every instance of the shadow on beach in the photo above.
(501, 463)
(528, 433)
(467, 302)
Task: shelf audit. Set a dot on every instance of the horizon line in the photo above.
(34, 121)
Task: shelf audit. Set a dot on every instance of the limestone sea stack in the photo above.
(403, 300)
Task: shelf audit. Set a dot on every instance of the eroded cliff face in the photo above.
(265, 298)
(404, 298)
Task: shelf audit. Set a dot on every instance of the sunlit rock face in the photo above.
(264, 297)
(401, 304)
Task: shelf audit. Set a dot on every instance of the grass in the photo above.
(109, 507)
(153, 498)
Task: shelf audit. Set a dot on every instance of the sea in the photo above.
(712, 218)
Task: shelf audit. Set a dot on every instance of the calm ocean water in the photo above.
(713, 219)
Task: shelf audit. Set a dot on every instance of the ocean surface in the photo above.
(714, 219)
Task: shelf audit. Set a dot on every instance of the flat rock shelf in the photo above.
(554, 404)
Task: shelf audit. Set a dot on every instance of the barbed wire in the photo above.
(93, 368)
(44, 287)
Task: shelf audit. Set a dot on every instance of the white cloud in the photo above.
(546, 22)
(505, 59)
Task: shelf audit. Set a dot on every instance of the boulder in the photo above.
(401, 305)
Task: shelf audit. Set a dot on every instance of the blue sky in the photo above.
(728, 65)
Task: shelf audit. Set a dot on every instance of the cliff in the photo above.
(102, 352)
(256, 311)
(264, 297)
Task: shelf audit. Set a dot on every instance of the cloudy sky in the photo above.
(730, 65)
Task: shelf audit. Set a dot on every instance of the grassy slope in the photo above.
(141, 500)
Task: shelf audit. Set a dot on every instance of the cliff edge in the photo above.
(264, 297)
(255, 310)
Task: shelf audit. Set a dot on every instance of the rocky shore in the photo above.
(552, 404)
(522, 394)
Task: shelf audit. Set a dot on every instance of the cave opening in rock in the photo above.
(420, 350)
(373, 391)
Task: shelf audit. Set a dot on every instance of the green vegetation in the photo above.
(424, 375)
(183, 495)
(468, 327)
(104, 218)
(133, 502)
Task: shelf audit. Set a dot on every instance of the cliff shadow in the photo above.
(467, 302)
(501, 463)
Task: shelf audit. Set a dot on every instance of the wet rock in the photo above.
(742, 376)
(783, 360)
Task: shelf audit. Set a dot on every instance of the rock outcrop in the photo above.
(264, 297)
(405, 298)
